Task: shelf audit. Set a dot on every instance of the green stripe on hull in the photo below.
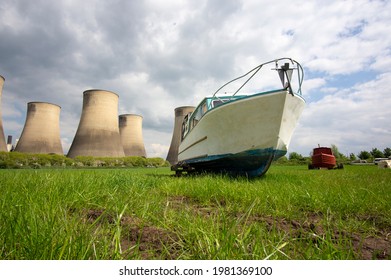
(250, 163)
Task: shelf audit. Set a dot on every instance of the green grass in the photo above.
(147, 213)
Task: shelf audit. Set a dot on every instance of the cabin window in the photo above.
(189, 123)
(218, 102)
(185, 126)
(204, 108)
(198, 114)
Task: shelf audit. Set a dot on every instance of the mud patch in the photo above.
(98, 215)
(138, 240)
(313, 230)
(141, 240)
(370, 247)
(150, 243)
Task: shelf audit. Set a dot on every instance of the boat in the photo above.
(242, 133)
(323, 157)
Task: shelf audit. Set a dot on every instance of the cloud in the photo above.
(160, 55)
(354, 119)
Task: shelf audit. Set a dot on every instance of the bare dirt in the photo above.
(140, 240)
(137, 239)
(365, 246)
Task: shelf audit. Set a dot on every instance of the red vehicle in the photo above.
(322, 157)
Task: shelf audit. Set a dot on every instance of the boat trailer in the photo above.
(181, 167)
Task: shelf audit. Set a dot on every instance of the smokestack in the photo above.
(130, 129)
(41, 132)
(9, 143)
(180, 113)
(98, 131)
(3, 146)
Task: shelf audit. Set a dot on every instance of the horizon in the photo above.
(159, 56)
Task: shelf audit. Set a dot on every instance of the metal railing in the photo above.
(283, 71)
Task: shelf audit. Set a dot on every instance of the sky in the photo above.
(159, 55)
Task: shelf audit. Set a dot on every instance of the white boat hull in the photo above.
(243, 136)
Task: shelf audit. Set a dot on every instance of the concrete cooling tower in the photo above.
(98, 131)
(41, 132)
(130, 129)
(180, 113)
(3, 145)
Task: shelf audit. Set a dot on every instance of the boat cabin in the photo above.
(323, 150)
(206, 105)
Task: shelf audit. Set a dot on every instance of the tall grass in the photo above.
(290, 213)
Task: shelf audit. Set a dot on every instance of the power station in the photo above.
(41, 131)
(3, 145)
(180, 113)
(130, 128)
(98, 131)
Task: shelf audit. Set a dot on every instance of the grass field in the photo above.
(290, 213)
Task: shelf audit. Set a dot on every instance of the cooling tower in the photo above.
(180, 113)
(41, 132)
(3, 145)
(130, 129)
(98, 131)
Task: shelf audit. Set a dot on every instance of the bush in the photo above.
(24, 160)
(157, 162)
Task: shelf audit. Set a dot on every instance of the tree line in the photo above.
(17, 160)
(363, 155)
(297, 158)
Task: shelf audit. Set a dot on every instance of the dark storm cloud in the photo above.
(38, 38)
